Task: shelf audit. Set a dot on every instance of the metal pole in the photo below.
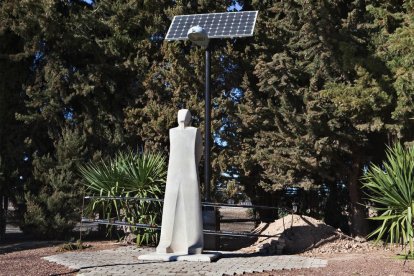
(207, 128)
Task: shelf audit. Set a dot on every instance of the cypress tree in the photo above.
(309, 100)
(316, 58)
(176, 80)
(395, 47)
(89, 63)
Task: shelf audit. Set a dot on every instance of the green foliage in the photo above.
(72, 66)
(128, 175)
(289, 132)
(233, 191)
(14, 70)
(71, 246)
(400, 59)
(310, 99)
(391, 190)
(53, 205)
(362, 103)
(320, 98)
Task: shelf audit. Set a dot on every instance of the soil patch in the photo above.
(299, 234)
(345, 255)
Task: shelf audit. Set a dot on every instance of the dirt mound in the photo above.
(294, 234)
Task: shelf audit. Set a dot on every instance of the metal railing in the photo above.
(158, 228)
(212, 204)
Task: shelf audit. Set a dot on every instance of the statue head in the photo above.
(184, 117)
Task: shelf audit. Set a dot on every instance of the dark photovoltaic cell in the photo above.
(217, 25)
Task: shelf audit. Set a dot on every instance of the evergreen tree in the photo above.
(14, 69)
(53, 201)
(305, 117)
(89, 63)
(176, 80)
(396, 48)
(309, 100)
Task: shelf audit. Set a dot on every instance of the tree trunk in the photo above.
(333, 214)
(358, 214)
(3, 209)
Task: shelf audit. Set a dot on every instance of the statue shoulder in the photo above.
(192, 129)
(179, 132)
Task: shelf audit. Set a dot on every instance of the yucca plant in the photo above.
(127, 175)
(391, 190)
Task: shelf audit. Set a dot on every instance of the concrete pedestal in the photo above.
(173, 257)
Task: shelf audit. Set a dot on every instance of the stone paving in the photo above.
(124, 261)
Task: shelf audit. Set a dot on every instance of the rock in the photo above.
(360, 239)
(130, 238)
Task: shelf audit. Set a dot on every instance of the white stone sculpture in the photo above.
(182, 225)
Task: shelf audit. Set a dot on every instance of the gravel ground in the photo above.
(26, 258)
(29, 262)
(344, 256)
(379, 262)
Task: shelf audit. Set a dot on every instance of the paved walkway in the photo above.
(124, 261)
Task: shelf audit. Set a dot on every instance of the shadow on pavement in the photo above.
(15, 240)
(25, 245)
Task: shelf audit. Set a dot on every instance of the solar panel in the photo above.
(217, 25)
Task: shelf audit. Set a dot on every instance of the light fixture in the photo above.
(199, 29)
(198, 36)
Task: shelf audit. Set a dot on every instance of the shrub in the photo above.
(128, 175)
(391, 190)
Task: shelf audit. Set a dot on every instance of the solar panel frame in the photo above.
(215, 24)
